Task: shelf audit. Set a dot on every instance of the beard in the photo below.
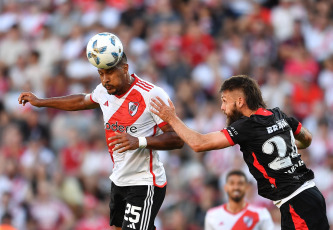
(109, 88)
(236, 198)
(234, 115)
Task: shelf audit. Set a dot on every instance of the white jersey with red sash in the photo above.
(249, 218)
(130, 113)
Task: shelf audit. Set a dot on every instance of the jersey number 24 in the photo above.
(282, 160)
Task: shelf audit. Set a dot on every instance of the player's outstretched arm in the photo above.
(197, 141)
(167, 140)
(69, 103)
(303, 138)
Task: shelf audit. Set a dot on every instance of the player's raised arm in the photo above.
(303, 138)
(70, 103)
(197, 141)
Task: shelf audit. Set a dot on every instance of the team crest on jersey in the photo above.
(133, 108)
(248, 221)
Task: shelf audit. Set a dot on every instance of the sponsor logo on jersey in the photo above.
(232, 131)
(133, 108)
(120, 128)
(280, 124)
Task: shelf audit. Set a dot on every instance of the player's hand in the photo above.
(28, 97)
(165, 112)
(123, 142)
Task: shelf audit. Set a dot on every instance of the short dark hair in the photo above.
(249, 87)
(122, 61)
(237, 173)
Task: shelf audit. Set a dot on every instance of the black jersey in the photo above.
(268, 145)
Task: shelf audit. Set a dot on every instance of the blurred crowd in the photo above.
(54, 165)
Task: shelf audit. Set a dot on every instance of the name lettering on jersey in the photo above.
(295, 166)
(115, 127)
(133, 108)
(280, 124)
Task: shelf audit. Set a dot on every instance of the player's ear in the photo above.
(240, 102)
(125, 67)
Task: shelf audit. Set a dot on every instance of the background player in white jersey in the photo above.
(133, 134)
(237, 213)
(269, 140)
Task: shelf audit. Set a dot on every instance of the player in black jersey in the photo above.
(269, 140)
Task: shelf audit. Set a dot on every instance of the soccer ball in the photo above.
(104, 50)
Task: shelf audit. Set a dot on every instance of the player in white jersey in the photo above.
(237, 214)
(133, 133)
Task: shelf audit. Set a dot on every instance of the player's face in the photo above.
(229, 107)
(235, 187)
(115, 80)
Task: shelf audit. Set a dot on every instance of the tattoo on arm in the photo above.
(301, 135)
(304, 138)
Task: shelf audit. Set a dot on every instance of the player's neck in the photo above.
(129, 84)
(248, 112)
(130, 80)
(235, 207)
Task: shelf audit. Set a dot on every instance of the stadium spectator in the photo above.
(35, 74)
(48, 212)
(325, 80)
(10, 213)
(49, 47)
(276, 89)
(92, 219)
(12, 46)
(317, 32)
(5, 223)
(196, 44)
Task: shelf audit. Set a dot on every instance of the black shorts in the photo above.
(135, 207)
(305, 211)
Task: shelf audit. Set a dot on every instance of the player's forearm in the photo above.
(69, 103)
(191, 137)
(301, 145)
(165, 141)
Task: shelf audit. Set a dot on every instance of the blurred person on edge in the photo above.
(237, 213)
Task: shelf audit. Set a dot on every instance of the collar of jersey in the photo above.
(133, 83)
(263, 112)
(245, 207)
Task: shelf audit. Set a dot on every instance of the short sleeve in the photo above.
(95, 95)
(238, 132)
(157, 91)
(293, 123)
